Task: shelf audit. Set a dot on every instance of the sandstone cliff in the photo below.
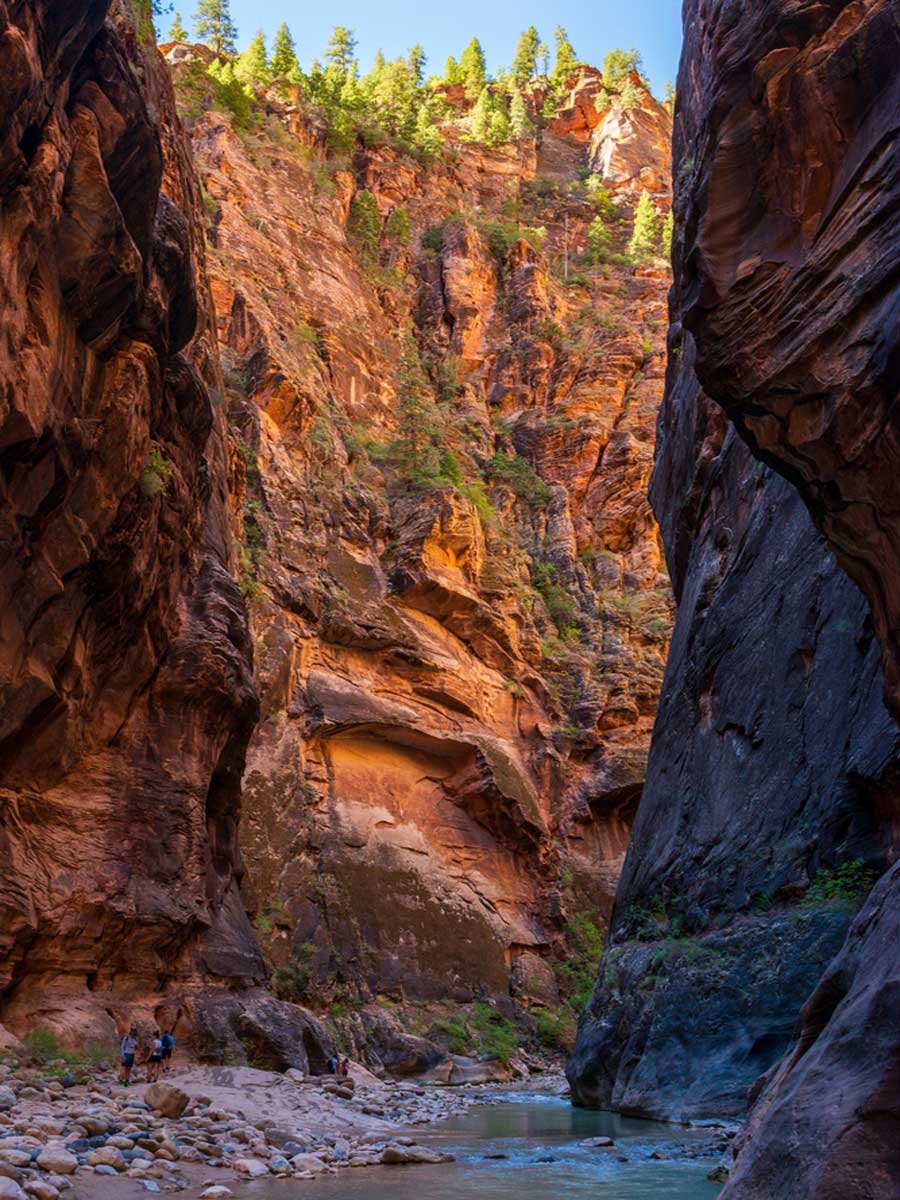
(457, 599)
(125, 660)
(785, 263)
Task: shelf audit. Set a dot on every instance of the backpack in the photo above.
(168, 1042)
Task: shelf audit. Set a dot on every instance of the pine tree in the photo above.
(417, 446)
(284, 55)
(525, 62)
(617, 65)
(543, 58)
(566, 62)
(473, 68)
(669, 101)
(629, 97)
(452, 73)
(668, 230)
(427, 136)
(252, 65)
(232, 94)
(598, 239)
(214, 26)
(393, 96)
(647, 231)
(519, 124)
(481, 116)
(499, 131)
(417, 60)
(341, 48)
(599, 197)
(364, 226)
(177, 32)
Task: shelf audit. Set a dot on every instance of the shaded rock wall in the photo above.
(786, 275)
(127, 696)
(793, 300)
(772, 757)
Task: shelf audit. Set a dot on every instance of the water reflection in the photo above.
(539, 1137)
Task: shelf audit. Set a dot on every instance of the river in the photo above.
(540, 1136)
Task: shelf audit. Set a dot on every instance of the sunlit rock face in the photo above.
(783, 312)
(445, 771)
(127, 696)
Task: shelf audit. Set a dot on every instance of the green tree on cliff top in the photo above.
(524, 64)
(647, 231)
(473, 68)
(341, 48)
(417, 60)
(481, 116)
(452, 73)
(284, 55)
(214, 26)
(618, 65)
(177, 32)
(519, 124)
(252, 66)
(566, 62)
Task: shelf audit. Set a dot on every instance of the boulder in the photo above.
(308, 1163)
(474, 1070)
(253, 1168)
(7, 1098)
(277, 1036)
(167, 1099)
(58, 1160)
(397, 1154)
(10, 1190)
(107, 1156)
(532, 979)
(40, 1189)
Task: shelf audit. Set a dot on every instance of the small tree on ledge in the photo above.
(177, 32)
(214, 26)
(647, 232)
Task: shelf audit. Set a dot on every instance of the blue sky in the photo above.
(444, 26)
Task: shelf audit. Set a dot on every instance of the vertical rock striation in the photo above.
(125, 661)
(784, 308)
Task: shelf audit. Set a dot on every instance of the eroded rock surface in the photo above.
(127, 696)
(458, 672)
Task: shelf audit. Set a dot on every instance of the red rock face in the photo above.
(440, 780)
(127, 698)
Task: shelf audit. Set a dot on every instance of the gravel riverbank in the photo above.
(207, 1129)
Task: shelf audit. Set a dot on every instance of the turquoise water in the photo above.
(528, 1128)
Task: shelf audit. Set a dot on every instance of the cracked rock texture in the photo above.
(125, 661)
(785, 761)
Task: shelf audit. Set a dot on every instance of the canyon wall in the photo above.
(125, 659)
(457, 597)
(773, 758)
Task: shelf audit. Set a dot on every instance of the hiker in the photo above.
(332, 1065)
(128, 1051)
(155, 1057)
(345, 1067)
(167, 1043)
